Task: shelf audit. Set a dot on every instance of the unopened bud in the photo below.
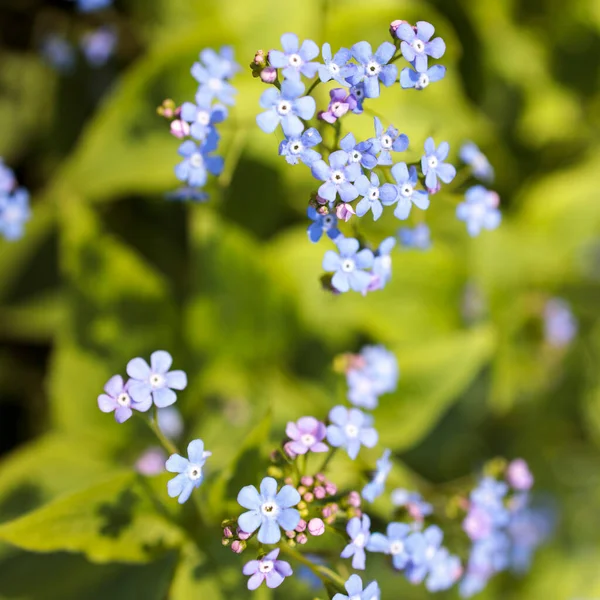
(288, 481)
(302, 490)
(316, 527)
(238, 546)
(302, 539)
(320, 477)
(291, 534)
(268, 75)
(345, 211)
(320, 492)
(274, 471)
(307, 481)
(331, 488)
(308, 497)
(354, 499)
(225, 541)
(301, 505)
(227, 532)
(167, 109)
(301, 526)
(180, 129)
(259, 58)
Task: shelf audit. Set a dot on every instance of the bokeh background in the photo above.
(109, 269)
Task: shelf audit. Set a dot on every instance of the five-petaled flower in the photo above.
(321, 224)
(479, 210)
(197, 164)
(419, 81)
(338, 176)
(433, 165)
(359, 530)
(116, 398)
(373, 68)
(202, 116)
(295, 58)
(372, 195)
(307, 435)
(298, 148)
(416, 45)
(387, 140)
(393, 543)
(350, 428)
(190, 471)
(336, 67)
(471, 155)
(349, 266)
(403, 192)
(267, 569)
(354, 587)
(361, 153)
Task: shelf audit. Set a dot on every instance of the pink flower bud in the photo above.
(316, 527)
(493, 199)
(180, 129)
(307, 481)
(301, 526)
(331, 488)
(308, 497)
(268, 75)
(320, 477)
(354, 499)
(326, 512)
(344, 211)
(302, 490)
(288, 450)
(291, 534)
(243, 535)
(320, 492)
(518, 475)
(302, 539)
(238, 547)
(394, 26)
(288, 481)
(227, 532)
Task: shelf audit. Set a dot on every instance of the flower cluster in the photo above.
(14, 205)
(195, 122)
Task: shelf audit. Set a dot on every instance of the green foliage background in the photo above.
(109, 270)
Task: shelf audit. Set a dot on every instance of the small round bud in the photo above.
(301, 505)
(394, 26)
(268, 75)
(291, 534)
(238, 546)
(301, 526)
(304, 513)
(320, 477)
(259, 58)
(302, 490)
(331, 488)
(308, 497)
(320, 492)
(243, 535)
(307, 480)
(327, 512)
(316, 527)
(354, 499)
(288, 481)
(180, 129)
(225, 541)
(227, 532)
(302, 539)
(334, 507)
(518, 475)
(167, 109)
(274, 471)
(288, 450)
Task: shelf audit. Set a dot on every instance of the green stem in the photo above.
(327, 460)
(315, 83)
(321, 572)
(166, 443)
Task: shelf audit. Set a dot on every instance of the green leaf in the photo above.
(111, 521)
(194, 577)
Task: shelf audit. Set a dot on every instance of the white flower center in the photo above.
(335, 107)
(386, 261)
(386, 141)
(296, 147)
(406, 190)
(373, 68)
(269, 509)
(373, 193)
(348, 267)
(423, 81)
(156, 379)
(265, 566)
(295, 60)
(418, 46)
(430, 552)
(196, 161)
(194, 472)
(334, 68)
(337, 177)
(215, 84)
(355, 156)
(351, 430)
(396, 547)
(203, 117)
(123, 399)
(359, 540)
(284, 107)
(432, 161)
(308, 440)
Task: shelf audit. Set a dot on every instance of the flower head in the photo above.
(297, 148)
(361, 153)
(295, 58)
(418, 237)
(370, 191)
(190, 471)
(222, 62)
(378, 369)
(359, 531)
(350, 428)
(341, 101)
(268, 510)
(403, 192)
(307, 435)
(423, 546)
(354, 587)
(337, 176)
(336, 67)
(419, 81)
(268, 569)
(393, 543)
(117, 399)
(321, 224)
(433, 165)
(155, 380)
(375, 487)
(479, 210)
(444, 571)
(202, 116)
(349, 266)
(382, 265)
(373, 67)
(14, 213)
(197, 164)
(212, 73)
(417, 44)
(471, 155)
(387, 140)
(358, 91)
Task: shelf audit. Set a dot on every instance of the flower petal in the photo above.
(137, 368)
(176, 380)
(269, 532)
(249, 521)
(177, 464)
(164, 397)
(106, 404)
(122, 413)
(268, 488)
(195, 451)
(175, 485)
(288, 518)
(114, 386)
(248, 497)
(287, 497)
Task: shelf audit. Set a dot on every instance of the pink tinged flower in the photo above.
(354, 499)
(117, 399)
(267, 569)
(478, 524)
(151, 462)
(316, 527)
(180, 129)
(344, 212)
(307, 435)
(518, 475)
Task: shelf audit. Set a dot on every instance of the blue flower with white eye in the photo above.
(444, 571)
(376, 486)
(190, 471)
(268, 510)
(370, 192)
(361, 153)
(350, 266)
(373, 68)
(155, 380)
(479, 210)
(385, 141)
(298, 148)
(287, 107)
(382, 265)
(338, 176)
(212, 79)
(117, 399)
(336, 68)
(423, 546)
(350, 429)
(321, 224)
(202, 116)
(196, 166)
(222, 62)
(359, 531)
(433, 165)
(416, 45)
(419, 81)
(295, 59)
(393, 543)
(405, 193)
(358, 91)
(471, 155)
(418, 237)
(354, 587)
(14, 213)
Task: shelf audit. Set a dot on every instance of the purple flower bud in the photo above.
(518, 475)
(331, 488)
(227, 532)
(394, 26)
(354, 499)
(316, 527)
(288, 450)
(327, 512)
(243, 535)
(238, 546)
(268, 75)
(301, 526)
(180, 129)
(291, 534)
(302, 539)
(308, 497)
(320, 200)
(344, 211)
(151, 462)
(259, 57)
(320, 492)
(307, 480)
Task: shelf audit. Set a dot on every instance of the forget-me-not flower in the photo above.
(419, 81)
(405, 193)
(444, 571)
(413, 502)
(155, 380)
(417, 45)
(387, 140)
(14, 213)
(354, 587)
(190, 471)
(433, 165)
(341, 101)
(359, 530)
(321, 224)
(393, 543)
(202, 116)
(479, 210)
(376, 486)
(295, 58)
(423, 546)
(350, 428)
(338, 176)
(212, 77)
(268, 569)
(471, 155)
(361, 153)
(268, 510)
(307, 435)
(197, 163)
(117, 399)
(298, 148)
(373, 68)
(336, 67)
(287, 107)
(222, 62)
(99, 45)
(418, 237)
(370, 191)
(349, 266)
(358, 91)
(382, 265)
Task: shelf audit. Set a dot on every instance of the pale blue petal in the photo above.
(436, 48)
(388, 75)
(359, 280)
(289, 42)
(335, 436)
(347, 192)
(362, 52)
(385, 52)
(320, 170)
(248, 497)
(372, 87)
(340, 281)
(291, 125)
(175, 486)
(420, 199)
(278, 59)
(176, 463)
(364, 259)
(402, 208)
(348, 246)
(268, 121)
(249, 521)
(436, 73)
(164, 397)
(160, 361)
(138, 368)
(369, 437)
(388, 193)
(287, 497)
(354, 585)
(378, 542)
(186, 492)
(269, 532)
(308, 50)
(446, 172)
(176, 380)
(424, 30)
(195, 451)
(268, 488)
(362, 208)
(288, 518)
(331, 261)
(305, 107)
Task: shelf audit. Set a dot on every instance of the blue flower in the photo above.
(354, 587)
(471, 155)
(378, 374)
(117, 399)
(416, 46)
(222, 62)
(423, 546)
(358, 91)
(361, 153)
(197, 164)
(385, 141)
(433, 165)
(58, 53)
(336, 68)
(202, 116)
(297, 148)
(268, 510)
(479, 210)
(349, 267)
(7, 178)
(212, 77)
(376, 486)
(373, 68)
(361, 391)
(190, 471)
(418, 237)
(444, 571)
(268, 569)
(170, 421)
(92, 5)
(419, 81)
(286, 107)
(382, 266)
(187, 193)
(14, 213)
(393, 543)
(350, 428)
(405, 194)
(155, 380)
(337, 175)
(294, 59)
(413, 502)
(370, 191)
(322, 223)
(99, 45)
(359, 531)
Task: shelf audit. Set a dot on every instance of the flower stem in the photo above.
(327, 460)
(315, 83)
(166, 443)
(323, 573)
